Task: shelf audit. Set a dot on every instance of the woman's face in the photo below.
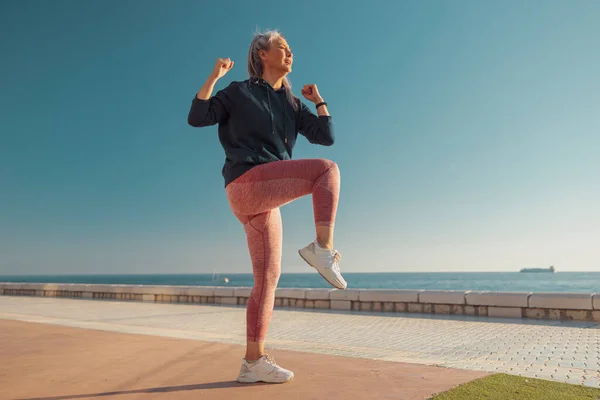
(279, 56)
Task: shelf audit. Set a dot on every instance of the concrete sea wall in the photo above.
(557, 306)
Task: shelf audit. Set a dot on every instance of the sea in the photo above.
(583, 282)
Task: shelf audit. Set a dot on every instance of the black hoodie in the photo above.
(257, 124)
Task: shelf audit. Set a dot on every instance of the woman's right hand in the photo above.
(222, 66)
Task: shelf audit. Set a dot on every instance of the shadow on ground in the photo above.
(166, 389)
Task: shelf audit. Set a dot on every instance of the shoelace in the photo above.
(270, 360)
(336, 256)
(336, 259)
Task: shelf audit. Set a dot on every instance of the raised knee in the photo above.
(329, 165)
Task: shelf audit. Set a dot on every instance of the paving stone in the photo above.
(566, 351)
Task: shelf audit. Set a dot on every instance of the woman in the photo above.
(259, 120)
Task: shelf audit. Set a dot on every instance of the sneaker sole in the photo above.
(250, 381)
(324, 277)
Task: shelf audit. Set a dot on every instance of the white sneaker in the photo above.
(325, 261)
(263, 370)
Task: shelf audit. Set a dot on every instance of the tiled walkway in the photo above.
(562, 351)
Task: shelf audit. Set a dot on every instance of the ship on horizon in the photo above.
(549, 269)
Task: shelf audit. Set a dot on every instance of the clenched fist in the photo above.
(311, 93)
(222, 66)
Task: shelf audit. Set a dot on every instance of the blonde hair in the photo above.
(263, 41)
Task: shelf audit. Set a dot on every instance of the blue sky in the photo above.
(467, 134)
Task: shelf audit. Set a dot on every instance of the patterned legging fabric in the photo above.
(255, 198)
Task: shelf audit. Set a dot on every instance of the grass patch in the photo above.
(510, 387)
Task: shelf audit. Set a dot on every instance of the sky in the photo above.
(467, 134)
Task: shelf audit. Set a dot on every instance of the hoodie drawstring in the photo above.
(271, 113)
(268, 89)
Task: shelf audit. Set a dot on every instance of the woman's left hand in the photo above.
(311, 93)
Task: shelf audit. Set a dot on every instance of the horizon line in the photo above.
(283, 273)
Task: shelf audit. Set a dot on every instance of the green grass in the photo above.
(510, 387)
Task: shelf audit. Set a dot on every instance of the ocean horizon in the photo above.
(581, 282)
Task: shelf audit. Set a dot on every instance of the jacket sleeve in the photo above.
(317, 129)
(214, 110)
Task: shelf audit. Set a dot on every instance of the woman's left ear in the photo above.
(263, 55)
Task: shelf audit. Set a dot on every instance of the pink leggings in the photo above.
(255, 198)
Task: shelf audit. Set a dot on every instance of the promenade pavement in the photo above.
(555, 350)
